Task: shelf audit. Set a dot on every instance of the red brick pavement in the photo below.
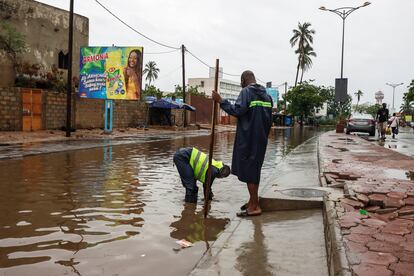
(380, 241)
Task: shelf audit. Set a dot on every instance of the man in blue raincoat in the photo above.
(253, 109)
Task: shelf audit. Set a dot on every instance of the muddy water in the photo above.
(116, 210)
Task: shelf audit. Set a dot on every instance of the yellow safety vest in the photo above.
(198, 162)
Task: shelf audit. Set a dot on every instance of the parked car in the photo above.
(358, 122)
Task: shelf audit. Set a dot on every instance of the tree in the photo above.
(371, 109)
(407, 106)
(303, 99)
(359, 94)
(12, 43)
(151, 90)
(328, 95)
(305, 59)
(151, 70)
(302, 37)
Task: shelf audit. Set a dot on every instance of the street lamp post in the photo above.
(344, 12)
(393, 85)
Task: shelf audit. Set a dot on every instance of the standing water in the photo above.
(117, 210)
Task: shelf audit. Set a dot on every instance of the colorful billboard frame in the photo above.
(111, 73)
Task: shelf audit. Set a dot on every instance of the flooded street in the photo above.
(118, 209)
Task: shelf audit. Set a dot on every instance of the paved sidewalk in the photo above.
(287, 243)
(379, 181)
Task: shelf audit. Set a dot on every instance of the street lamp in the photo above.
(393, 85)
(344, 12)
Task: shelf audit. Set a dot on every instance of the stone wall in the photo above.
(10, 109)
(89, 113)
(46, 33)
(129, 113)
(54, 110)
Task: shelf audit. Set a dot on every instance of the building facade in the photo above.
(46, 31)
(228, 89)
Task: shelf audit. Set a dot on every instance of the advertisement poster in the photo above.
(113, 73)
(274, 93)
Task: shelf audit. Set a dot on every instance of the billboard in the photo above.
(274, 93)
(113, 73)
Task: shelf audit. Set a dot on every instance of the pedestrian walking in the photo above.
(394, 124)
(253, 108)
(382, 120)
(192, 166)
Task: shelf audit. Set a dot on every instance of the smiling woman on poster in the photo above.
(132, 73)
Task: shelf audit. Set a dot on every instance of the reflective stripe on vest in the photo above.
(199, 161)
(260, 103)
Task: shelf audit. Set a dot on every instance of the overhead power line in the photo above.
(133, 29)
(160, 53)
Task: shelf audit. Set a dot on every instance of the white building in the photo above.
(228, 89)
(321, 111)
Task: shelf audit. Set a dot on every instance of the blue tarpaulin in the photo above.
(171, 105)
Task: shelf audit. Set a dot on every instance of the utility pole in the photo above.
(183, 65)
(69, 83)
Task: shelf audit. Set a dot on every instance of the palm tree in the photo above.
(151, 70)
(305, 59)
(359, 94)
(302, 36)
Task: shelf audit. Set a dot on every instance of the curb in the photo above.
(338, 264)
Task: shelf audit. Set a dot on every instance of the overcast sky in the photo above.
(255, 35)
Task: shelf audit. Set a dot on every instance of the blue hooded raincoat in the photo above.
(253, 109)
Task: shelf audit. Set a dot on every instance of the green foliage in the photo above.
(328, 95)
(327, 122)
(371, 109)
(36, 76)
(178, 91)
(12, 43)
(407, 107)
(151, 70)
(303, 37)
(303, 99)
(359, 95)
(151, 90)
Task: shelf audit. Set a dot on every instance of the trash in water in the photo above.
(184, 243)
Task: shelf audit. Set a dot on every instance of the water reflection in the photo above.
(193, 227)
(71, 210)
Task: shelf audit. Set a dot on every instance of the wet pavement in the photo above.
(403, 143)
(376, 217)
(116, 209)
(286, 243)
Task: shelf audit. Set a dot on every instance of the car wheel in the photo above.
(372, 133)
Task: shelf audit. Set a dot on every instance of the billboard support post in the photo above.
(108, 116)
(183, 65)
(69, 83)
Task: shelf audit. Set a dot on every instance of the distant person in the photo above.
(132, 73)
(192, 165)
(253, 108)
(382, 119)
(394, 124)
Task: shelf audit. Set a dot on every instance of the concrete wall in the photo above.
(54, 110)
(46, 31)
(87, 113)
(11, 110)
(129, 113)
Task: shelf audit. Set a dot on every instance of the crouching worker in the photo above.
(192, 165)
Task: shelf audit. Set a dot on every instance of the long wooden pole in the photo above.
(210, 155)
